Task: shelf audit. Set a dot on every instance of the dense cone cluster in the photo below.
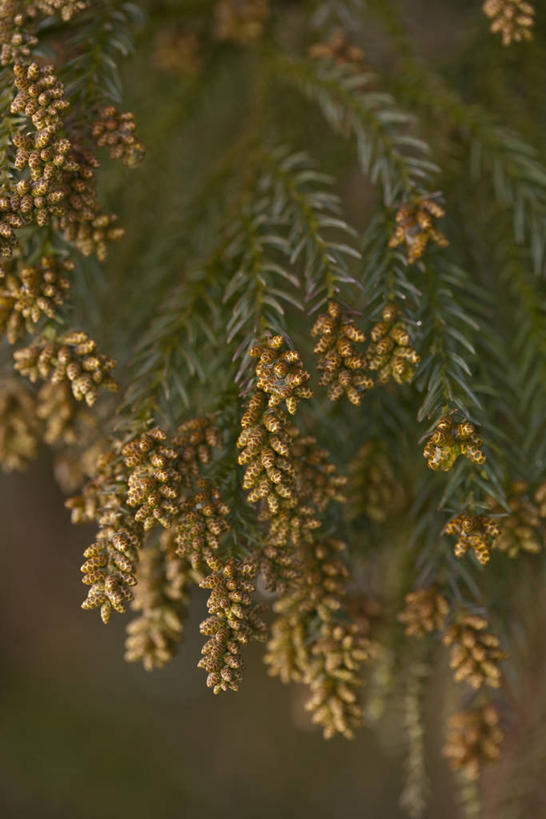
(341, 364)
(473, 739)
(477, 532)
(72, 358)
(327, 660)
(241, 21)
(415, 227)
(19, 426)
(266, 443)
(475, 653)
(233, 621)
(115, 130)
(29, 292)
(374, 489)
(161, 594)
(154, 481)
(449, 440)
(202, 524)
(338, 49)
(110, 570)
(60, 187)
(425, 611)
(64, 419)
(520, 531)
(512, 19)
(390, 353)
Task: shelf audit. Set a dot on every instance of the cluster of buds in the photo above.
(473, 739)
(390, 353)
(232, 623)
(56, 179)
(241, 21)
(339, 50)
(328, 661)
(415, 227)
(110, 570)
(318, 480)
(161, 594)
(280, 375)
(115, 130)
(63, 417)
(178, 52)
(29, 292)
(66, 9)
(449, 440)
(73, 358)
(154, 481)
(540, 500)
(265, 440)
(521, 529)
(196, 439)
(426, 611)
(202, 524)
(19, 426)
(475, 653)
(513, 19)
(342, 365)
(103, 495)
(16, 40)
(374, 489)
(477, 532)
(334, 679)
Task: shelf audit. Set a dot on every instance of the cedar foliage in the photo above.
(320, 324)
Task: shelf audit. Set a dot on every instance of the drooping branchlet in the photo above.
(233, 621)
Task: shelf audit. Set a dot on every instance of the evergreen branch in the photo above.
(312, 211)
(388, 153)
(495, 153)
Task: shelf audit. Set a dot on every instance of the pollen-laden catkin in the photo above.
(520, 531)
(338, 49)
(202, 525)
(513, 19)
(475, 652)
(27, 293)
(415, 227)
(72, 358)
(110, 570)
(473, 740)
(342, 365)
(241, 21)
(326, 656)
(451, 439)
(334, 679)
(477, 532)
(65, 420)
(390, 353)
(373, 487)
(161, 595)
(154, 481)
(266, 443)
(233, 621)
(425, 611)
(115, 130)
(54, 179)
(20, 427)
